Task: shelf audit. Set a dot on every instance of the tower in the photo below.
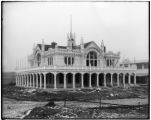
(103, 48)
(70, 36)
(82, 44)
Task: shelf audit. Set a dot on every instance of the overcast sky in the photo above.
(123, 26)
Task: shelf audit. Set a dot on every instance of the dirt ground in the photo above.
(30, 103)
(18, 109)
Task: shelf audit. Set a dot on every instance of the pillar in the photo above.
(44, 80)
(82, 81)
(40, 81)
(65, 84)
(129, 79)
(135, 79)
(19, 80)
(16, 80)
(73, 80)
(22, 83)
(118, 82)
(27, 80)
(33, 80)
(55, 82)
(30, 80)
(97, 80)
(104, 80)
(124, 80)
(112, 80)
(90, 81)
(37, 80)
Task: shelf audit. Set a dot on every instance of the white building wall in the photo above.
(60, 60)
(77, 61)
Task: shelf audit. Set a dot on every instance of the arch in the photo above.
(86, 79)
(25, 79)
(42, 80)
(91, 59)
(108, 79)
(69, 78)
(32, 79)
(59, 80)
(121, 79)
(38, 74)
(114, 77)
(132, 78)
(49, 80)
(28, 78)
(94, 80)
(126, 78)
(78, 78)
(101, 79)
(35, 82)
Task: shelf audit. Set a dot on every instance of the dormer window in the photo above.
(38, 59)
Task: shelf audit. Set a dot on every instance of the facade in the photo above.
(142, 72)
(74, 66)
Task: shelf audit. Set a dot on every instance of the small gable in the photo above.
(92, 44)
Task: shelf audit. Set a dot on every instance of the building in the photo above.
(142, 72)
(74, 66)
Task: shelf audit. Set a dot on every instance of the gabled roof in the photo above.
(64, 47)
(50, 46)
(87, 44)
(46, 46)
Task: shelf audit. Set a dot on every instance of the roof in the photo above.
(135, 61)
(87, 44)
(64, 47)
(46, 46)
(50, 46)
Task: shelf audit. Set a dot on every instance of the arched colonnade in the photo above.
(74, 80)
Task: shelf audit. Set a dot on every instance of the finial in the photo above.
(42, 41)
(81, 40)
(71, 23)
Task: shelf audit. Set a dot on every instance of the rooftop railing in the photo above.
(73, 68)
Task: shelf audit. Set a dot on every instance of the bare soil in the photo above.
(84, 103)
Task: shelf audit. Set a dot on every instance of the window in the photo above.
(146, 65)
(65, 60)
(72, 60)
(50, 60)
(69, 60)
(38, 59)
(139, 66)
(91, 59)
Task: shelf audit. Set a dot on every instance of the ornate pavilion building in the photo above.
(74, 66)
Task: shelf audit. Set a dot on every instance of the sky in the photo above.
(123, 26)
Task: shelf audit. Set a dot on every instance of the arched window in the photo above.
(38, 59)
(91, 59)
(50, 60)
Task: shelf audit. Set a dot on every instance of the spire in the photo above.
(71, 24)
(82, 44)
(71, 36)
(42, 41)
(81, 40)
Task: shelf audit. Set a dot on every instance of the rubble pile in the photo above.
(60, 112)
